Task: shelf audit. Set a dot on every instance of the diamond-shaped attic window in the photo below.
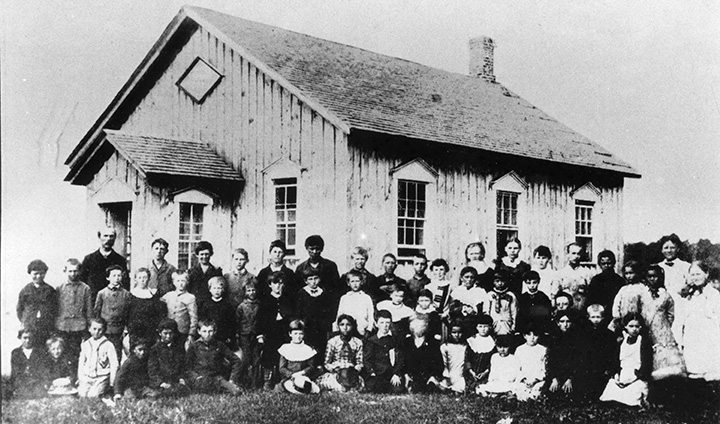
(199, 80)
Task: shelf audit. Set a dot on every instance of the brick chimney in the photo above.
(481, 58)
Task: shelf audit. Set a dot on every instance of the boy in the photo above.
(598, 357)
(219, 310)
(277, 253)
(329, 275)
(440, 287)
(504, 370)
(605, 286)
(276, 310)
(314, 307)
(161, 271)
(426, 310)
(548, 276)
(112, 305)
(239, 277)
(182, 307)
(37, 302)
(420, 359)
(400, 312)
(28, 367)
(419, 280)
(387, 280)
(357, 303)
(247, 314)
(381, 368)
(573, 279)
(74, 308)
(132, 379)
(532, 358)
(98, 361)
(202, 272)
(534, 307)
(480, 349)
(503, 305)
(166, 361)
(205, 362)
(359, 257)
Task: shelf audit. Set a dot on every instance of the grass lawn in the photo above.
(260, 407)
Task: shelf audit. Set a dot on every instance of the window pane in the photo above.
(197, 213)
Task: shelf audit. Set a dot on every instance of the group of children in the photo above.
(511, 330)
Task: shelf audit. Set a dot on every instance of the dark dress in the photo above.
(515, 283)
(144, 317)
(602, 290)
(28, 375)
(222, 313)
(421, 363)
(315, 311)
(563, 361)
(598, 355)
(536, 309)
(274, 316)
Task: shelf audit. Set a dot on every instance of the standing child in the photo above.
(599, 351)
(74, 308)
(440, 287)
(37, 303)
(133, 380)
(629, 298)
(205, 362)
(387, 280)
(314, 307)
(221, 311)
(112, 305)
(481, 348)
(274, 315)
(503, 305)
(504, 370)
(239, 277)
(359, 258)
(329, 276)
(166, 360)
(380, 361)
(426, 310)
(548, 276)
(513, 266)
(603, 287)
(277, 251)
(182, 307)
(573, 278)
(343, 358)
(629, 385)
(145, 310)
(453, 353)
(532, 357)
(357, 303)
(297, 365)
(400, 312)
(419, 280)
(202, 272)
(247, 322)
(161, 271)
(28, 367)
(98, 362)
(469, 293)
(61, 368)
(534, 307)
(420, 359)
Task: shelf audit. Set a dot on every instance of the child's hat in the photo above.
(301, 385)
(62, 386)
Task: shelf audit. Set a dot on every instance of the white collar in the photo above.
(297, 352)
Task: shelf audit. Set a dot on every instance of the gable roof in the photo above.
(358, 89)
(164, 156)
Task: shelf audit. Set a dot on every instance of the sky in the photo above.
(641, 78)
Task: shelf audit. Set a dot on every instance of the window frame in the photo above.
(510, 183)
(189, 241)
(410, 249)
(290, 225)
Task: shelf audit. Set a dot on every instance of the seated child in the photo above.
(503, 304)
(504, 370)
(357, 303)
(219, 309)
(400, 312)
(534, 307)
(532, 358)
(563, 355)
(112, 305)
(239, 277)
(166, 360)
(182, 307)
(453, 353)
(274, 314)
(481, 348)
(74, 309)
(426, 310)
(98, 362)
(314, 307)
(62, 370)
(420, 359)
(343, 358)
(599, 355)
(629, 385)
(247, 314)
(28, 367)
(205, 362)
(381, 366)
(145, 310)
(297, 360)
(132, 379)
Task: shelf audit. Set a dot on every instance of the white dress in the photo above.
(532, 361)
(504, 375)
(630, 362)
(454, 359)
(701, 335)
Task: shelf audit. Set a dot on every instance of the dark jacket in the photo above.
(28, 375)
(563, 357)
(535, 309)
(198, 281)
(37, 307)
(291, 284)
(421, 363)
(209, 360)
(223, 314)
(376, 355)
(92, 271)
(133, 374)
(602, 290)
(329, 275)
(144, 315)
(166, 363)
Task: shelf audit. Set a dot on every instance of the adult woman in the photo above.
(475, 257)
(513, 265)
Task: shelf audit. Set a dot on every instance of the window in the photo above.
(286, 212)
(583, 228)
(191, 231)
(411, 218)
(507, 219)
(199, 80)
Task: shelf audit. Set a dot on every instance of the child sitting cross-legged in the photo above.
(205, 362)
(380, 356)
(453, 354)
(481, 347)
(98, 361)
(532, 357)
(400, 312)
(504, 370)
(343, 358)
(297, 365)
(62, 370)
(166, 361)
(420, 359)
(133, 380)
(28, 367)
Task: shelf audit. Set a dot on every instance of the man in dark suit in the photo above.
(92, 271)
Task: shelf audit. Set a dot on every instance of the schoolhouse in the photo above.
(239, 133)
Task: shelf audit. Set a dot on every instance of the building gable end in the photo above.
(194, 195)
(283, 168)
(415, 170)
(511, 182)
(587, 192)
(113, 191)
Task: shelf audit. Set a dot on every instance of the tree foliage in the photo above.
(647, 254)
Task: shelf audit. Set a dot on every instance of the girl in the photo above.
(343, 358)
(440, 286)
(426, 310)
(657, 312)
(513, 266)
(504, 370)
(475, 257)
(468, 293)
(563, 356)
(277, 264)
(297, 362)
(273, 316)
(61, 369)
(481, 348)
(453, 354)
(629, 298)
(420, 359)
(28, 367)
(146, 310)
(502, 305)
(701, 325)
(629, 386)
